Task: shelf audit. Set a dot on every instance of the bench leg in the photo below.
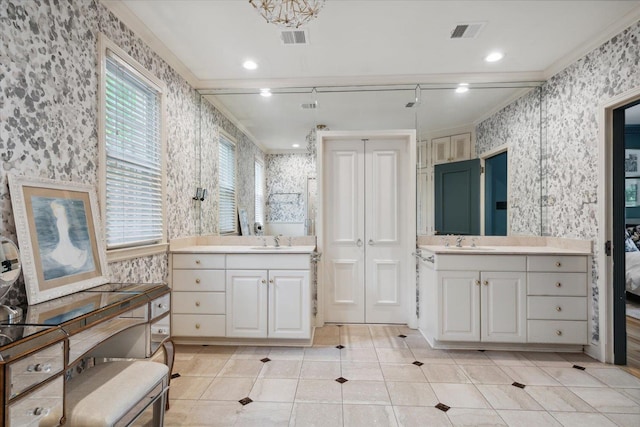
(169, 357)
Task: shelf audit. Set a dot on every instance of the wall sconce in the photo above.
(201, 193)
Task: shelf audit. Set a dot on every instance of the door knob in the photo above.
(371, 242)
(359, 243)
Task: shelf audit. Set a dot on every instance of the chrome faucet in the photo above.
(459, 240)
(276, 240)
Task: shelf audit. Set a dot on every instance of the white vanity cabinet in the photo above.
(268, 303)
(199, 303)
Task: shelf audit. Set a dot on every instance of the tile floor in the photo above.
(389, 376)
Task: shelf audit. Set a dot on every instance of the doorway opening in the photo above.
(495, 195)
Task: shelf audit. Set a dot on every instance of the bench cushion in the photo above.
(105, 393)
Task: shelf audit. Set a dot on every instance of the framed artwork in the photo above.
(631, 193)
(631, 163)
(59, 235)
(244, 222)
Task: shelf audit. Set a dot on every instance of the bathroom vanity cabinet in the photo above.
(482, 298)
(241, 293)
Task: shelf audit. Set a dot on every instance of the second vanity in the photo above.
(241, 294)
(497, 296)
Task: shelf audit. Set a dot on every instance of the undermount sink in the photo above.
(471, 248)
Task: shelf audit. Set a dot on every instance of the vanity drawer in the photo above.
(199, 325)
(557, 308)
(557, 331)
(563, 263)
(41, 408)
(268, 261)
(199, 280)
(160, 306)
(199, 302)
(568, 284)
(198, 261)
(34, 369)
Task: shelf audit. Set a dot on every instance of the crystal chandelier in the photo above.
(288, 13)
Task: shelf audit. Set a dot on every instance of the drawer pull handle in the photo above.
(197, 303)
(198, 281)
(162, 306)
(558, 285)
(197, 261)
(486, 283)
(558, 332)
(39, 412)
(558, 264)
(39, 368)
(478, 282)
(558, 308)
(197, 325)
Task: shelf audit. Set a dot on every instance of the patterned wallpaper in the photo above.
(287, 186)
(49, 85)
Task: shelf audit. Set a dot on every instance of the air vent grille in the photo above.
(309, 106)
(294, 37)
(467, 31)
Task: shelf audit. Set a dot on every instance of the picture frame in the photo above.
(244, 222)
(632, 163)
(631, 198)
(59, 235)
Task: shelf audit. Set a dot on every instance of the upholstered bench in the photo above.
(116, 393)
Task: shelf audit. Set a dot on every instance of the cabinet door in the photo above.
(460, 148)
(247, 303)
(459, 305)
(440, 150)
(503, 306)
(289, 304)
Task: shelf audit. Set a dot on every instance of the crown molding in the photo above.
(590, 45)
(515, 96)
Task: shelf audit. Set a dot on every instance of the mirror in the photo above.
(10, 271)
(292, 115)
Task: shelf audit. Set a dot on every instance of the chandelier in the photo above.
(288, 13)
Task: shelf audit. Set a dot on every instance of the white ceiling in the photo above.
(370, 43)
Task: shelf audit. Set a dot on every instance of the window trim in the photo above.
(224, 134)
(261, 162)
(104, 45)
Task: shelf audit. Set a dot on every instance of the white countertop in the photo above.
(223, 249)
(502, 250)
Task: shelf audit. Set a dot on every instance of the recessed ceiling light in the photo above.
(494, 57)
(250, 65)
(266, 92)
(296, 145)
(462, 89)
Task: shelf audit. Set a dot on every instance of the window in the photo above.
(227, 177)
(133, 160)
(259, 191)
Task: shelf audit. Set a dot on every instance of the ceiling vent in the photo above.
(467, 31)
(294, 37)
(309, 106)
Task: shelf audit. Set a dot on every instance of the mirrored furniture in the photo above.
(58, 339)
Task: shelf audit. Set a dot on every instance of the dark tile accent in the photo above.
(443, 407)
(340, 346)
(342, 380)
(417, 363)
(517, 384)
(579, 367)
(265, 360)
(176, 375)
(339, 326)
(482, 351)
(245, 401)
(402, 336)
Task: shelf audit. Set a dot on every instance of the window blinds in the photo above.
(227, 178)
(259, 192)
(134, 158)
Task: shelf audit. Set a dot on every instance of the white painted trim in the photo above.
(483, 157)
(588, 46)
(605, 229)
(104, 44)
(136, 252)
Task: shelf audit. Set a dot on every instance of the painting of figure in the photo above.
(63, 236)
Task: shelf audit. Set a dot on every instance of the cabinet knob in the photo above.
(486, 283)
(264, 281)
(162, 306)
(558, 332)
(197, 325)
(40, 411)
(558, 308)
(558, 285)
(38, 367)
(558, 264)
(197, 261)
(478, 282)
(197, 303)
(197, 280)
(271, 281)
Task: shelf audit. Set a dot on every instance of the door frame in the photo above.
(504, 148)
(408, 214)
(604, 350)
